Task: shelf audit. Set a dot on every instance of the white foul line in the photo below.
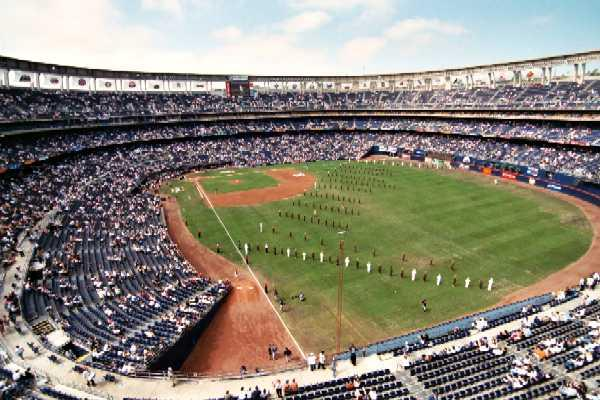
(202, 193)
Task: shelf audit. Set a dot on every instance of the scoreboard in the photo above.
(238, 86)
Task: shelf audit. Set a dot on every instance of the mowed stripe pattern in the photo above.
(438, 222)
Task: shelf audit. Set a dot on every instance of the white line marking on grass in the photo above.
(202, 193)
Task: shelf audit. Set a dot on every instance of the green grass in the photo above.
(224, 181)
(515, 235)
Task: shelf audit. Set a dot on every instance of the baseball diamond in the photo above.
(313, 228)
(444, 223)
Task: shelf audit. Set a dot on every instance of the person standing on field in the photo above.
(353, 355)
(322, 360)
(312, 361)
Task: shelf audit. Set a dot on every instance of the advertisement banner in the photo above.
(155, 86)
(293, 86)
(80, 83)
(106, 85)
(328, 86)
(532, 171)
(509, 175)
(311, 86)
(177, 86)
(553, 186)
(21, 78)
(49, 81)
(131, 85)
(199, 86)
(486, 170)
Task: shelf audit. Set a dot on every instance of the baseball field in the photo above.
(395, 218)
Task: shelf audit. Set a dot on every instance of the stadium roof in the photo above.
(26, 65)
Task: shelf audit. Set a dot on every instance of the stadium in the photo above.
(413, 235)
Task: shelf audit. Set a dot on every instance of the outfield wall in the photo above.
(556, 182)
(444, 332)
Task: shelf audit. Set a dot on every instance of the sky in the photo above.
(294, 37)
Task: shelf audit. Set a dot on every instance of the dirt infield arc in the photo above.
(290, 183)
(244, 326)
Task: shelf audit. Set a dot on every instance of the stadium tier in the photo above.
(28, 104)
(95, 283)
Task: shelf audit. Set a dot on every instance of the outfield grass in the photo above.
(462, 223)
(224, 181)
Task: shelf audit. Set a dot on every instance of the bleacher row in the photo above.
(478, 370)
(460, 329)
(105, 271)
(484, 370)
(28, 104)
(123, 300)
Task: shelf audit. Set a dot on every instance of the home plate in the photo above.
(299, 174)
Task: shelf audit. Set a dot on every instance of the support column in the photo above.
(491, 80)
(5, 76)
(543, 75)
(549, 75)
(576, 73)
(517, 78)
(36, 80)
(582, 74)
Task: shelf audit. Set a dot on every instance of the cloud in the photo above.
(422, 28)
(404, 36)
(173, 7)
(340, 5)
(99, 34)
(362, 48)
(284, 55)
(306, 21)
(228, 33)
(368, 9)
